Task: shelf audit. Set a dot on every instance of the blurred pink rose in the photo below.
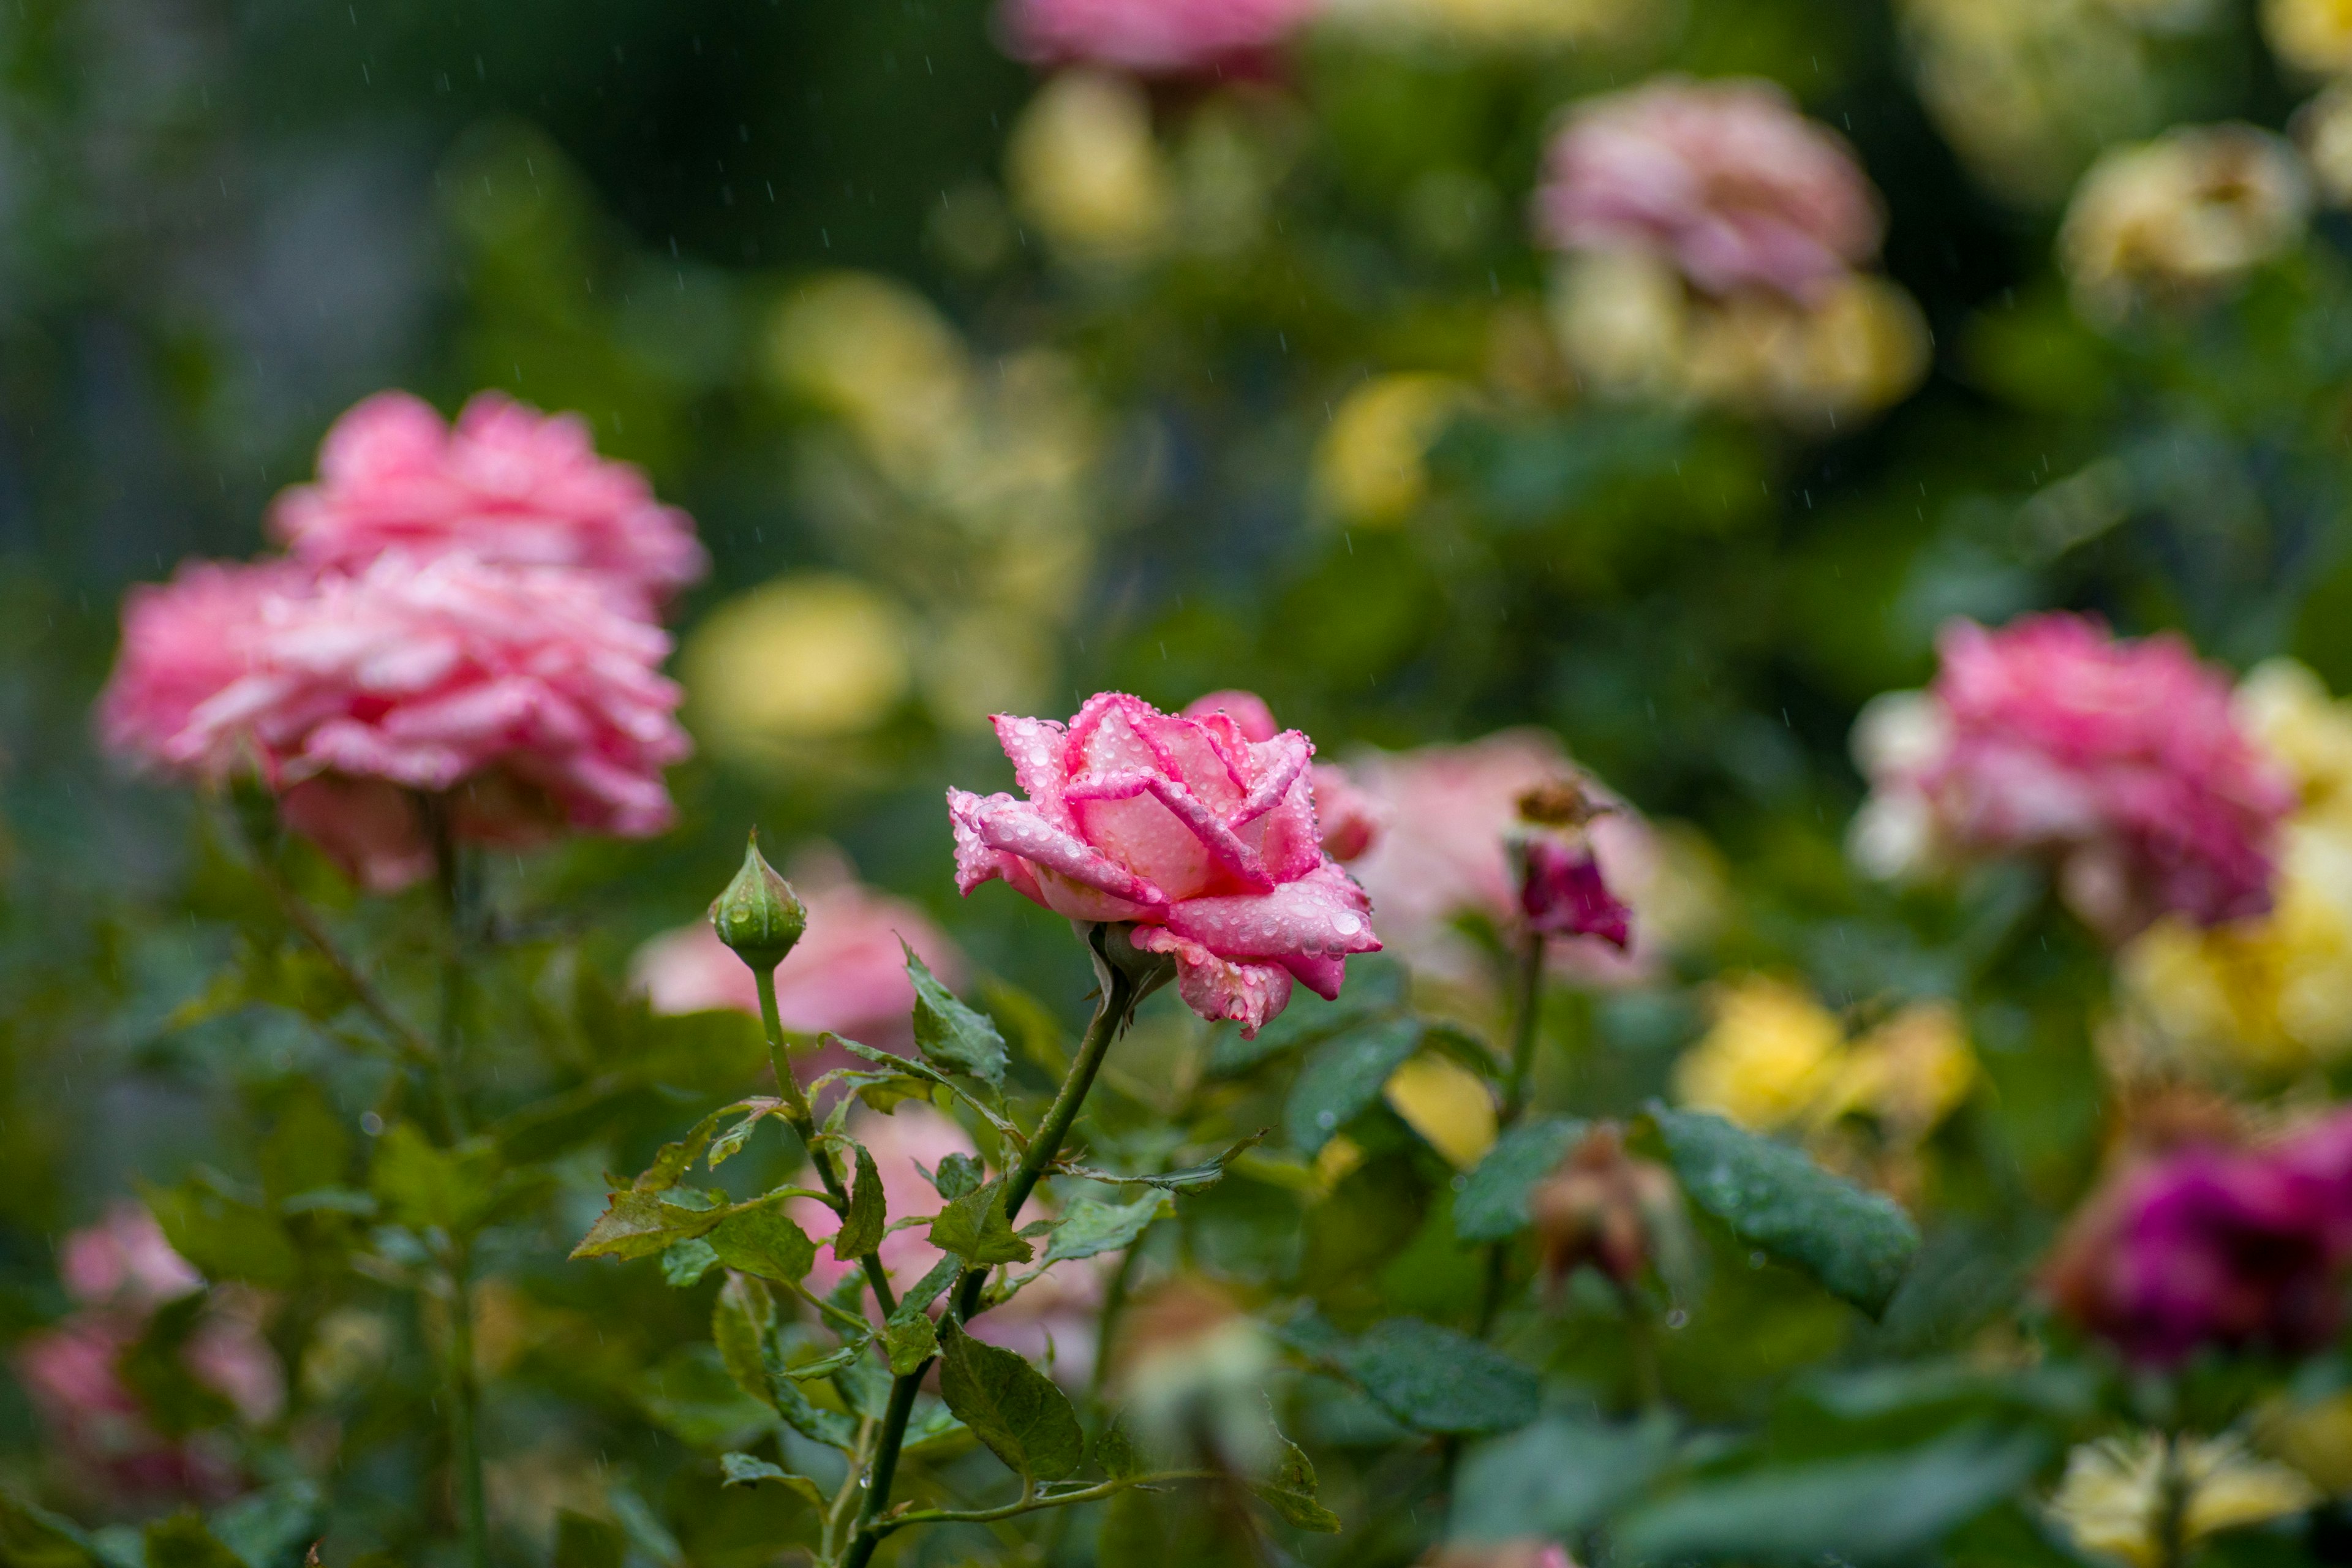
(1201, 838)
(1725, 180)
(123, 1260)
(1346, 818)
(1562, 892)
(1152, 37)
(507, 483)
(1453, 815)
(524, 694)
(847, 975)
(2121, 759)
(1057, 1310)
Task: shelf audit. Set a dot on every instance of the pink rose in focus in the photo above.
(2122, 760)
(847, 975)
(524, 695)
(1152, 37)
(1453, 815)
(1203, 839)
(507, 484)
(1057, 1310)
(1349, 820)
(1725, 181)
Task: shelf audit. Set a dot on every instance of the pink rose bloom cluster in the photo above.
(506, 483)
(1152, 37)
(479, 630)
(1201, 838)
(846, 975)
(2121, 759)
(1054, 1314)
(2216, 1246)
(117, 1273)
(1349, 819)
(1725, 181)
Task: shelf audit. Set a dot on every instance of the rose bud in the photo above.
(1562, 893)
(759, 915)
(1607, 1208)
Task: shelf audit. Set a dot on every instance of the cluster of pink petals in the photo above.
(2121, 757)
(506, 483)
(1452, 815)
(1152, 37)
(1348, 820)
(1201, 838)
(526, 695)
(1052, 1314)
(1562, 892)
(2216, 1246)
(117, 1272)
(848, 975)
(1725, 180)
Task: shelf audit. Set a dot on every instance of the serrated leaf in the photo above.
(684, 1263)
(957, 1038)
(760, 1240)
(1091, 1228)
(800, 1413)
(975, 1228)
(1858, 1244)
(1343, 1079)
(1435, 1380)
(909, 1337)
(1189, 1178)
(730, 1143)
(746, 1470)
(1114, 1453)
(639, 1224)
(1290, 1491)
(1879, 1508)
(740, 1322)
(1493, 1204)
(1017, 1411)
(927, 1289)
(862, 1227)
(958, 1175)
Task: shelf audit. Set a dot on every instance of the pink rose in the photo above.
(1725, 180)
(507, 484)
(1563, 894)
(124, 1261)
(1203, 838)
(1453, 815)
(847, 975)
(524, 695)
(1349, 819)
(2122, 760)
(1152, 37)
(1057, 1311)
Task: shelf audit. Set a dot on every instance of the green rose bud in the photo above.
(759, 915)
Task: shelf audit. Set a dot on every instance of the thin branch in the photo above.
(1030, 1502)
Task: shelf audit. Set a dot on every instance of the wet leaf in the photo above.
(1435, 1380)
(744, 1470)
(955, 1037)
(1291, 1492)
(1493, 1204)
(1091, 1228)
(975, 1228)
(1343, 1080)
(1011, 1407)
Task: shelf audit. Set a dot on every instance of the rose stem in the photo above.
(1528, 1002)
(456, 888)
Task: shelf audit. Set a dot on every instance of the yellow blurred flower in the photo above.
(2173, 218)
(2287, 710)
(813, 656)
(2314, 1437)
(1447, 1104)
(1083, 166)
(875, 355)
(1772, 1055)
(1909, 1073)
(2111, 1499)
(1371, 468)
(2314, 35)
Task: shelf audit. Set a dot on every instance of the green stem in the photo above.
(2172, 1507)
(464, 1416)
(1527, 1004)
(1031, 1504)
(1118, 995)
(465, 1390)
(798, 1112)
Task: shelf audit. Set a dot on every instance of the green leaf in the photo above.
(184, 1540)
(583, 1541)
(1556, 1479)
(423, 1187)
(1091, 1228)
(1011, 1407)
(684, 1263)
(1343, 1080)
(862, 1226)
(760, 1240)
(933, 1428)
(975, 1228)
(1291, 1492)
(958, 1175)
(1493, 1202)
(308, 1146)
(830, 1427)
(692, 1394)
(1191, 1178)
(225, 1238)
(927, 1289)
(953, 1036)
(269, 1529)
(1883, 1508)
(637, 1224)
(739, 1323)
(909, 1337)
(730, 1143)
(33, 1537)
(1435, 1380)
(1859, 1245)
(744, 1470)
(1115, 1452)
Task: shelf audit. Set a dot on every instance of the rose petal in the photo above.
(1018, 828)
(1321, 914)
(1250, 994)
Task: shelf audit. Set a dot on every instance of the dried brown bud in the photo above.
(1562, 803)
(1606, 1207)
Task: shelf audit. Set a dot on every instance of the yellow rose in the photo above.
(808, 657)
(1371, 467)
(1084, 167)
(1772, 1055)
(2314, 35)
(2111, 1496)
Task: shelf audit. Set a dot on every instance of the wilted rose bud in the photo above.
(1190, 1373)
(1563, 894)
(759, 915)
(1607, 1208)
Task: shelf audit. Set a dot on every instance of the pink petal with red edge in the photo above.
(1018, 828)
(976, 861)
(1276, 765)
(1323, 912)
(1189, 752)
(1250, 994)
(1208, 830)
(1289, 836)
(1039, 751)
(1321, 975)
(1105, 737)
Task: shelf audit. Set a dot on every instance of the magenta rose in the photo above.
(2121, 759)
(526, 697)
(506, 483)
(1152, 37)
(1725, 181)
(1349, 819)
(1201, 838)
